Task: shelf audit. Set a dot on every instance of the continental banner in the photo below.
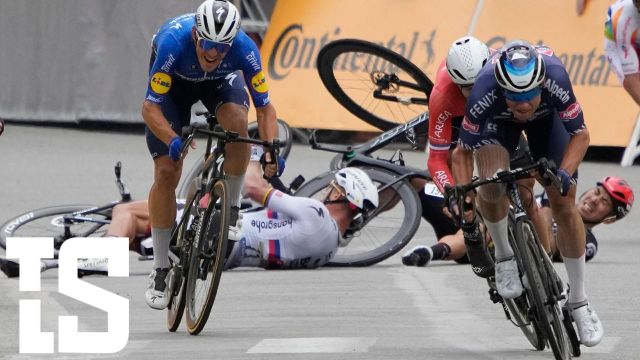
(421, 31)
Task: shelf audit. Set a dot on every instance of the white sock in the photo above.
(161, 239)
(575, 272)
(499, 234)
(235, 187)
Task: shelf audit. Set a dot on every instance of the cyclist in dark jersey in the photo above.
(201, 56)
(528, 89)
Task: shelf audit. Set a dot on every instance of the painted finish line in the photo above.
(312, 345)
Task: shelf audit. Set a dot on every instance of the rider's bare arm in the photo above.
(157, 123)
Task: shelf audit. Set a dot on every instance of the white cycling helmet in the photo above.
(520, 67)
(218, 21)
(360, 190)
(466, 57)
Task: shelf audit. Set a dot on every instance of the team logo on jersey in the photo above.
(572, 112)
(160, 83)
(259, 83)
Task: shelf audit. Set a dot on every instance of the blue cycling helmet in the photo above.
(520, 67)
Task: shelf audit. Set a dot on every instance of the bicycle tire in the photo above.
(211, 237)
(177, 276)
(46, 222)
(561, 337)
(526, 239)
(382, 114)
(382, 237)
(286, 141)
(519, 307)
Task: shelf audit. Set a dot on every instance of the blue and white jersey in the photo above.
(175, 58)
(487, 102)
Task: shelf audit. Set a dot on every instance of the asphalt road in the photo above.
(387, 311)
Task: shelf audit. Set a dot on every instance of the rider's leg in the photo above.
(494, 205)
(233, 117)
(162, 207)
(525, 190)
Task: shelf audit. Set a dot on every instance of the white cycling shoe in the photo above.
(590, 328)
(508, 279)
(157, 294)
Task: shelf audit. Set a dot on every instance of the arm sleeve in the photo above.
(562, 95)
(254, 77)
(166, 49)
(299, 208)
(439, 142)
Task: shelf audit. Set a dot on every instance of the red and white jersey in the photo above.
(445, 104)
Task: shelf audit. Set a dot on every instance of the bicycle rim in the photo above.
(537, 289)
(559, 340)
(388, 231)
(48, 222)
(519, 308)
(207, 259)
(352, 70)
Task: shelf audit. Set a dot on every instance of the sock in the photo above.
(499, 234)
(235, 187)
(575, 272)
(161, 239)
(440, 251)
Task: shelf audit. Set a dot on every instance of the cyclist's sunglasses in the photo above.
(521, 97)
(207, 45)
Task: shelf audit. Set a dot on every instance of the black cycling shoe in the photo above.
(233, 217)
(479, 257)
(418, 256)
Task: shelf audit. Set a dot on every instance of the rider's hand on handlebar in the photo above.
(566, 179)
(272, 168)
(451, 207)
(175, 148)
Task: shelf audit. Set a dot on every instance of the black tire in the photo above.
(538, 290)
(286, 141)
(519, 307)
(207, 258)
(47, 222)
(355, 90)
(387, 232)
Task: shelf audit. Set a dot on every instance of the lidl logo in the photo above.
(259, 83)
(160, 83)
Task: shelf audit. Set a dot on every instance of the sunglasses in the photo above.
(521, 97)
(207, 45)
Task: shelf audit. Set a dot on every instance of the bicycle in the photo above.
(385, 231)
(374, 83)
(199, 240)
(63, 223)
(537, 311)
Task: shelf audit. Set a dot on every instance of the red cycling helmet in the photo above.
(621, 195)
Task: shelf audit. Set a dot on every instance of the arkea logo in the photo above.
(29, 251)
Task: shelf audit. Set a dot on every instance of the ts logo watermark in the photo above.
(29, 251)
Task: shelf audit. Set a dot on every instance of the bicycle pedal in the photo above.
(494, 296)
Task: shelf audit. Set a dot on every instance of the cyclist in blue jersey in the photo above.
(201, 56)
(526, 88)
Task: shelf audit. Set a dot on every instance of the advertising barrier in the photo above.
(421, 31)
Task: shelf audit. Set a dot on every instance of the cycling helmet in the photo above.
(520, 67)
(360, 190)
(217, 21)
(466, 57)
(621, 195)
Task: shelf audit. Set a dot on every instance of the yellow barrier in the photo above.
(421, 31)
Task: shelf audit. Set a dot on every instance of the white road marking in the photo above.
(312, 345)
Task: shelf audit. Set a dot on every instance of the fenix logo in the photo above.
(29, 251)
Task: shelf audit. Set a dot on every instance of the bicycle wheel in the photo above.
(374, 83)
(48, 222)
(519, 307)
(207, 258)
(177, 276)
(391, 227)
(537, 289)
(286, 141)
